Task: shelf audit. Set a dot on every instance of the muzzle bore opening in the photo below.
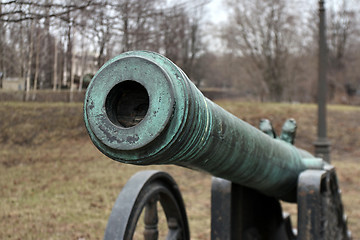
(127, 104)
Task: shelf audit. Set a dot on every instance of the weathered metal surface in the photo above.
(320, 210)
(144, 190)
(288, 132)
(322, 145)
(171, 122)
(267, 128)
(242, 213)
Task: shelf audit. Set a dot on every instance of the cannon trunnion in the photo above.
(140, 108)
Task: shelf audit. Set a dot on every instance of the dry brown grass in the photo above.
(54, 184)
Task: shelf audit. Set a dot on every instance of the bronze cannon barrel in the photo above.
(140, 108)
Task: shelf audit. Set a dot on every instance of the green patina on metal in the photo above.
(178, 125)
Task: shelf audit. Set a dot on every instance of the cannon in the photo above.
(140, 108)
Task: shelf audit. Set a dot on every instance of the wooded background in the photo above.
(265, 50)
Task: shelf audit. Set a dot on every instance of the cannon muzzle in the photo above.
(140, 108)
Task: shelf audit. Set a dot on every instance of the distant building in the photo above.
(14, 84)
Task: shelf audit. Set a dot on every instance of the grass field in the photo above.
(54, 184)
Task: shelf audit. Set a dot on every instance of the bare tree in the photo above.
(18, 11)
(264, 32)
(181, 34)
(138, 23)
(103, 29)
(341, 29)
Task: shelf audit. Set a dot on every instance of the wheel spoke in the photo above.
(174, 230)
(151, 220)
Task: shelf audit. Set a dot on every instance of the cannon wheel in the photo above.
(143, 191)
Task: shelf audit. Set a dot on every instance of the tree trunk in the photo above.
(2, 54)
(37, 64)
(55, 66)
(72, 78)
(83, 62)
(28, 72)
(69, 54)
